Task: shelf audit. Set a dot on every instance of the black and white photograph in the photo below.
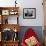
(29, 13)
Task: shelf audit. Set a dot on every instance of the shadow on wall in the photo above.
(37, 29)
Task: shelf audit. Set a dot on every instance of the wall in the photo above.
(27, 4)
(28, 22)
(39, 13)
(36, 29)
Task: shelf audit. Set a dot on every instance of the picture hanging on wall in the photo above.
(29, 13)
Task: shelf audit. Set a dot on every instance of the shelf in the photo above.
(7, 16)
(6, 12)
(9, 10)
(10, 26)
(11, 41)
(10, 19)
(2, 8)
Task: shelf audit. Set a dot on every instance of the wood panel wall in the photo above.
(44, 7)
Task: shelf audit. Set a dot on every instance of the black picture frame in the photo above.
(29, 13)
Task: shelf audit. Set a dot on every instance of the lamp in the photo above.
(15, 3)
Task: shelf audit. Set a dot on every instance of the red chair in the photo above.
(29, 33)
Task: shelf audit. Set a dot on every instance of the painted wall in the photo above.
(27, 4)
(37, 29)
(39, 13)
(27, 22)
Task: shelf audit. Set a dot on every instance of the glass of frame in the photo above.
(29, 13)
(5, 12)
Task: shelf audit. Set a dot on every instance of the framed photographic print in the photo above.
(5, 12)
(29, 13)
(13, 12)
